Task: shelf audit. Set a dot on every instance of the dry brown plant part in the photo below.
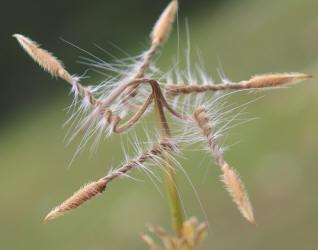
(189, 235)
(79, 198)
(51, 64)
(233, 183)
(256, 82)
(94, 188)
(163, 26)
(159, 34)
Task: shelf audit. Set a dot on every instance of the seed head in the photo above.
(163, 26)
(79, 198)
(44, 58)
(238, 192)
(264, 81)
(124, 96)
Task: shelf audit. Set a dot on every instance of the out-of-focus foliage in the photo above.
(276, 155)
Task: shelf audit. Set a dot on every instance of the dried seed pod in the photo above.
(94, 188)
(162, 28)
(264, 81)
(230, 178)
(237, 191)
(44, 58)
(79, 198)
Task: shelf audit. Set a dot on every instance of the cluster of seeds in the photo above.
(128, 97)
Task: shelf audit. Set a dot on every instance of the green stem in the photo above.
(173, 197)
(169, 174)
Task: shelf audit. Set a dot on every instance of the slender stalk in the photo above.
(173, 197)
(169, 174)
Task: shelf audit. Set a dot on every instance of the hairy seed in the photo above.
(77, 199)
(44, 58)
(163, 26)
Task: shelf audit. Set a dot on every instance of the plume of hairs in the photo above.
(128, 97)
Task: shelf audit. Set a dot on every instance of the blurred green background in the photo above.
(276, 155)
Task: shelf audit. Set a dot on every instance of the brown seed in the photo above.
(264, 81)
(163, 26)
(238, 192)
(44, 58)
(79, 198)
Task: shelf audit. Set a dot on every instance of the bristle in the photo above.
(163, 26)
(44, 58)
(236, 189)
(79, 198)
